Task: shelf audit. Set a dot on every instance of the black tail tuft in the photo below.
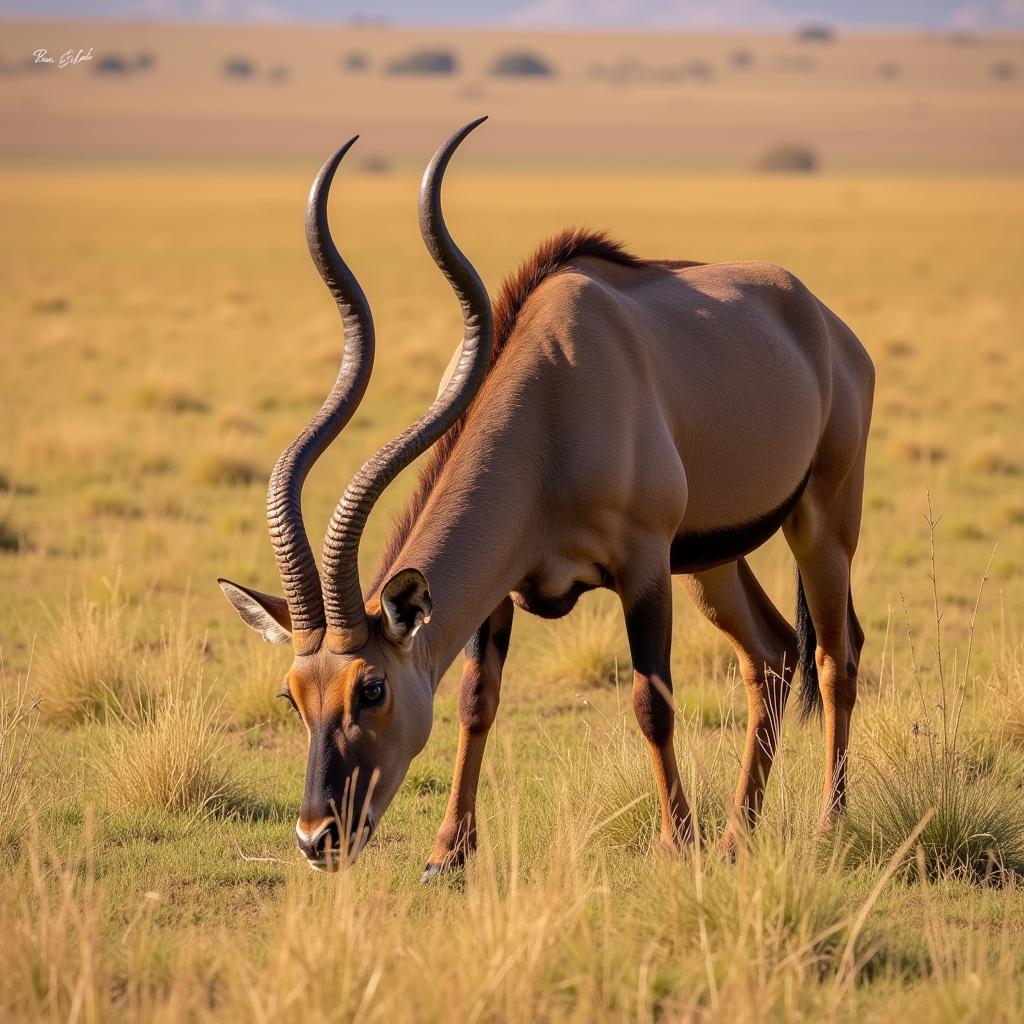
(806, 642)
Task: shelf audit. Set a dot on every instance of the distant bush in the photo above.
(119, 64)
(168, 396)
(890, 70)
(110, 502)
(238, 67)
(815, 33)
(698, 68)
(522, 63)
(279, 73)
(112, 64)
(741, 59)
(787, 157)
(425, 62)
(224, 469)
(355, 61)
(375, 165)
(12, 540)
(1004, 70)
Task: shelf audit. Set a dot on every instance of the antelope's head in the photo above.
(358, 678)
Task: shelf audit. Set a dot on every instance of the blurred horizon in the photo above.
(595, 102)
(749, 15)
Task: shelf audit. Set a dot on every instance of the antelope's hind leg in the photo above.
(731, 598)
(823, 533)
(478, 704)
(648, 612)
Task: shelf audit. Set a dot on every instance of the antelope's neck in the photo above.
(475, 539)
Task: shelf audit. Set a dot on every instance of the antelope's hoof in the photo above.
(430, 872)
(676, 843)
(830, 823)
(450, 868)
(728, 847)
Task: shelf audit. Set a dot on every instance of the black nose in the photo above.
(322, 844)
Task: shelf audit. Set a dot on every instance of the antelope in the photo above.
(610, 422)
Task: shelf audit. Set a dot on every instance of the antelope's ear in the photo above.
(405, 606)
(268, 615)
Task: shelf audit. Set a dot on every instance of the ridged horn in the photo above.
(347, 628)
(295, 560)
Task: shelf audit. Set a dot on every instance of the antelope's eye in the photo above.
(373, 691)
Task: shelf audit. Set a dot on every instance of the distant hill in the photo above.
(737, 14)
(670, 100)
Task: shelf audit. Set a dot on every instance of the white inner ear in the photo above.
(273, 632)
(255, 615)
(396, 613)
(397, 626)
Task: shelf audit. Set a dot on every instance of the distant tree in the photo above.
(1003, 70)
(145, 61)
(279, 73)
(239, 67)
(741, 59)
(425, 62)
(816, 33)
(890, 70)
(522, 63)
(787, 157)
(355, 61)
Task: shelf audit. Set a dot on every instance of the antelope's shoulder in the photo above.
(745, 277)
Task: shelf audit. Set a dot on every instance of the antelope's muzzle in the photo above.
(326, 850)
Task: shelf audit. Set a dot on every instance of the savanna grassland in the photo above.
(164, 336)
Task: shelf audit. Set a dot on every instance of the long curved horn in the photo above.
(295, 559)
(347, 628)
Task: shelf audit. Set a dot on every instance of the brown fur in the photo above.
(550, 257)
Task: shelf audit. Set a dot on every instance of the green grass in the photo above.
(149, 869)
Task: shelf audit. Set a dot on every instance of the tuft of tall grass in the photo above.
(18, 722)
(971, 798)
(87, 663)
(171, 757)
(977, 825)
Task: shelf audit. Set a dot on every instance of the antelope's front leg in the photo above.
(478, 705)
(648, 612)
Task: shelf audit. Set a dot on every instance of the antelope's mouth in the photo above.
(332, 858)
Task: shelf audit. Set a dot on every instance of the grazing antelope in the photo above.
(611, 422)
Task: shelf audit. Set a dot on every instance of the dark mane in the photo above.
(559, 250)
